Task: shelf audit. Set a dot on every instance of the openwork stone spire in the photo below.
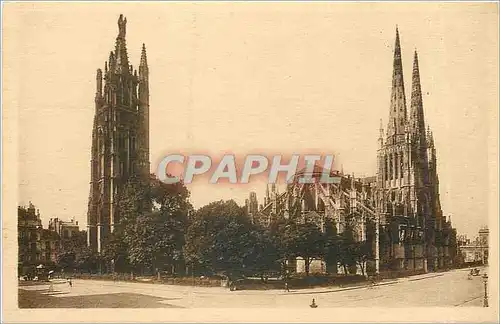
(397, 113)
(417, 122)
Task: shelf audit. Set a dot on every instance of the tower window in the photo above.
(386, 168)
(132, 144)
(401, 166)
(102, 165)
(395, 165)
(121, 142)
(391, 161)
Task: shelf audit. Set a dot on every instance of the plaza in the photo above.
(445, 289)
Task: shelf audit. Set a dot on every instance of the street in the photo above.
(433, 289)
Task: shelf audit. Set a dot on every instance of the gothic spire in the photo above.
(144, 58)
(417, 123)
(143, 66)
(381, 134)
(397, 113)
(381, 129)
(430, 137)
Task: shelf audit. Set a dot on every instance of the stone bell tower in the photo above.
(120, 136)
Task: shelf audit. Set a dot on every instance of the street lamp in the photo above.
(377, 240)
(485, 302)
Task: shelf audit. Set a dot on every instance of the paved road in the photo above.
(441, 289)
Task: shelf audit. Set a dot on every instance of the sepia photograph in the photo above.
(250, 161)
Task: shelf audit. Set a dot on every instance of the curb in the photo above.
(393, 282)
(433, 276)
(342, 289)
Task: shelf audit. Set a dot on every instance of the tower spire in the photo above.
(120, 146)
(397, 113)
(417, 123)
(267, 197)
(144, 58)
(381, 134)
(144, 110)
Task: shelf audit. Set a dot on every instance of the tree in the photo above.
(304, 240)
(134, 200)
(263, 254)
(87, 260)
(351, 251)
(280, 242)
(71, 249)
(346, 250)
(332, 246)
(153, 220)
(219, 238)
(115, 253)
(361, 253)
(156, 242)
(66, 260)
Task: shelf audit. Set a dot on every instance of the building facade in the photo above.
(398, 209)
(68, 232)
(120, 136)
(36, 245)
(477, 250)
(407, 180)
(63, 228)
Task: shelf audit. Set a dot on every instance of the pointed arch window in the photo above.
(386, 168)
(401, 165)
(396, 171)
(102, 166)
(391, 161)
(121, 142)
(132, 143)
(134, 168)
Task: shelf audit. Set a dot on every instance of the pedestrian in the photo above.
(286, 286)
(70, 283)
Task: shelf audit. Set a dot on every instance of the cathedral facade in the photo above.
(407, 189)
(120, 136)
(398, 210)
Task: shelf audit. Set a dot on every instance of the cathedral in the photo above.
(120, 136)
(398, 210)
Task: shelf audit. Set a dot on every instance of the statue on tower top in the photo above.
(122, 26)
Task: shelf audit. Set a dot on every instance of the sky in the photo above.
(241, 77)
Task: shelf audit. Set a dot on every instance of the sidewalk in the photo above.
(367, 285)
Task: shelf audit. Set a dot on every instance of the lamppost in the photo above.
(485, 302)
(377, 240)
